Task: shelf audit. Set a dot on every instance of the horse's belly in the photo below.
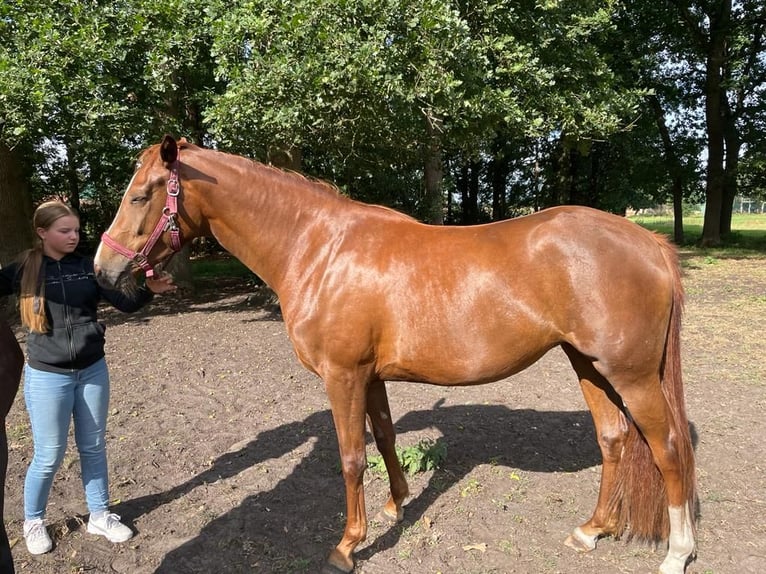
(464, 364)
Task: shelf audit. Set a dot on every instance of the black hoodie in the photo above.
(75, 339)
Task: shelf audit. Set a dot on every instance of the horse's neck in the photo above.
(264, 216)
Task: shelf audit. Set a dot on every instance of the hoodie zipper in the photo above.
(67, 318)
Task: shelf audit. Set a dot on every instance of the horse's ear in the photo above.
(168, 150)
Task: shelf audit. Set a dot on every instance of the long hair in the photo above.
(32, 291)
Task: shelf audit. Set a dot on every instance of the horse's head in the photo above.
(146, 230)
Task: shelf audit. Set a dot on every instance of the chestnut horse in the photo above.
(369, 295)
(11, 363)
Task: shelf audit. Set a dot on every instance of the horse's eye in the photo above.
(139, 199)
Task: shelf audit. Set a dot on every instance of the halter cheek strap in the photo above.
(166, 223)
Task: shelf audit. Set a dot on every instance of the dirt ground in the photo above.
(223, 456)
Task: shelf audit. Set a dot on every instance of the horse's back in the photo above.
(554, 254)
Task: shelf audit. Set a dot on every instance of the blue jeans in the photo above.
(52, 400)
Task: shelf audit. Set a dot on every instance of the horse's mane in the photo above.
(183, 144)
(280, 172)
(297, 176)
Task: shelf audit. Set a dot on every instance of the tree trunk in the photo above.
(593, 196)
(434, 174)
(562, 185)
(498, 175)
(193, 122)
(674, 170)
(471, 197)
(572, 176)
(714, 116)
(461, 185)
(731, 169)
(15, 205)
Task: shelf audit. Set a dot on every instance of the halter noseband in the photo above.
(166, 223)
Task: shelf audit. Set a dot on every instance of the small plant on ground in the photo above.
(426, 455)
(472, 487)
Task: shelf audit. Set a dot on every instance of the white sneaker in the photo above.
(36, 536)
(109, 525)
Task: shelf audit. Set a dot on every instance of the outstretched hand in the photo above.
(161, 284)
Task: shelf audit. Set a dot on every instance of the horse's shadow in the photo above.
(292, 526)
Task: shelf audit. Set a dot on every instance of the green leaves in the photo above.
(426, 455)
(366, 88)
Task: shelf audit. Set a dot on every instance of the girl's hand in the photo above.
(161, 284)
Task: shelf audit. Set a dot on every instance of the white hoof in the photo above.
(673, 565)
(580, 541)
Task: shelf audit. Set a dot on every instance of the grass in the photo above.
(219, 266)
(747, 238)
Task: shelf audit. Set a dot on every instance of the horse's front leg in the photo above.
(382, 427)
(348, 400)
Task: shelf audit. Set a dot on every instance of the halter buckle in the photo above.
(173, 189)
(170, 224)
(141, 260)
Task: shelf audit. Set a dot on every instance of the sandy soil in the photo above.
(223, 456)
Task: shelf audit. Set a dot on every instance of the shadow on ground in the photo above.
(292, 526)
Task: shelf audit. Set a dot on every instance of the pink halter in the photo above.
(166, 223)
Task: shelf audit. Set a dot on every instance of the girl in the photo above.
(66, 376)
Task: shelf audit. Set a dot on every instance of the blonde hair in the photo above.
(32, 291)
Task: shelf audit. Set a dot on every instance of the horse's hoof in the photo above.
(580, 541)
(338, 564)
(384, 517)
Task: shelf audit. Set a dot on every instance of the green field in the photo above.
(748, 235)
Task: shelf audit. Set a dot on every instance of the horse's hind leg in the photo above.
(381, 425)
(673, 455)
(611, 433)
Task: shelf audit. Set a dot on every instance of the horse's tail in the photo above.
(639, 500)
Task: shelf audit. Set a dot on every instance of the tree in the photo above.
(667, 132)
(84, 85)
(514, 106)
(60, 94)
(728, 41)
(15, 204)
(21, 98)
(409, 84)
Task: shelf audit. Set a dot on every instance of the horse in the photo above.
(370, 295)
(11, 363)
